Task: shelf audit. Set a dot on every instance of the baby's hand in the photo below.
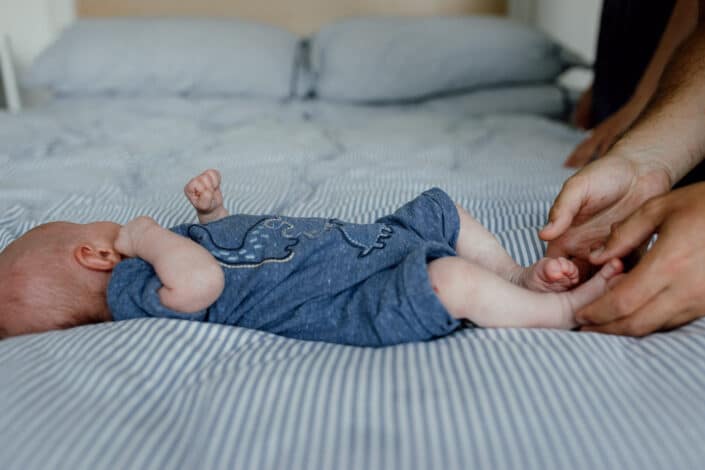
(205, 196)
(131, 233)
(203, 191)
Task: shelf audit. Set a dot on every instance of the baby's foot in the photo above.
(550, 275)
(203, 192)
(607, 277)
(583, 295)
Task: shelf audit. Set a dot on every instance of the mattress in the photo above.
(179, 394)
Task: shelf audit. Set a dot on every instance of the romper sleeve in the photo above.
(133, 292)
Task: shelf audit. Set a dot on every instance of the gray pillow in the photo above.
(393, 58)
(163, 56)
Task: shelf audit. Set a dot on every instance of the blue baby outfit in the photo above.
(313, 278)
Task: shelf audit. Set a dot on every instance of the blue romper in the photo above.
(313, 278)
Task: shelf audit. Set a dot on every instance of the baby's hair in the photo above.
(42, 291)
(53, 299)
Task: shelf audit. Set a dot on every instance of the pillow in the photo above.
(543, 100)
(393, 58)
(163, 56)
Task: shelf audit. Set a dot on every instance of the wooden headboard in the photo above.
(300, 16)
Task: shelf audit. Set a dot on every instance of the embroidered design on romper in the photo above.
(261, 244)
(272, 240)
(365, 246)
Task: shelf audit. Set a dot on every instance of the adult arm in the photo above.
(666, 142)
(192, 279)
(671, 130)
(680, 26)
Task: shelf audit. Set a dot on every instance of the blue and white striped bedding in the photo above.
(176, 394)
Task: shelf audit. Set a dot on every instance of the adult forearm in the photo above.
(681, 25)
(671, 132)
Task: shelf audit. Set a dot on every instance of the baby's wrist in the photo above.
(215, 208)
(138, 233)
(146, 227)
(200, 212)
(212, 215)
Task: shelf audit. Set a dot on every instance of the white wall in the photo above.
(573, 22)
(32, 24)
(521, 9)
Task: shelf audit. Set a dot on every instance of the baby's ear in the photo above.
(97, 258)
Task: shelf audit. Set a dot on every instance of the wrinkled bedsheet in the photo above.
(177, 394)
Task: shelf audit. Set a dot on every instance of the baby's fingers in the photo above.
(213, 178)
(204, 201)
(195, 187)
(198, 194)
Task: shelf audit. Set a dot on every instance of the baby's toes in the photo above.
(569, 270)
(558, 274)
(553, 270)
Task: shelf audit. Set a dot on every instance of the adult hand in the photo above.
(601, 194)
(667, 288)
(603, 137)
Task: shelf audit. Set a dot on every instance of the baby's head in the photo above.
(55, 276)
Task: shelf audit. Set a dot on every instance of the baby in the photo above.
(414, 275)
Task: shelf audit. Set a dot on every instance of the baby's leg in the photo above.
(477, 245)
(469, 291)
(203, 192)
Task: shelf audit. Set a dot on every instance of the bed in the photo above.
(178, 394)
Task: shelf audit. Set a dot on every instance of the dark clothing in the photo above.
(630, 32)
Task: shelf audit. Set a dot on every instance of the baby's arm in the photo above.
(192, 279)
(205, 196)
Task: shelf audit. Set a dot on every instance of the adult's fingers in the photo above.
(630, 234)
(606, 143)
(633, 291)
(583, 153)
(566, 206)
(653, 316)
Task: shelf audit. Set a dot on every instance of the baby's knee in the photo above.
(449, 278)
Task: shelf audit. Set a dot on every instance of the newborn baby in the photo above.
(414, 275)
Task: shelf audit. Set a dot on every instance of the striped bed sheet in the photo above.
(178, 394)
